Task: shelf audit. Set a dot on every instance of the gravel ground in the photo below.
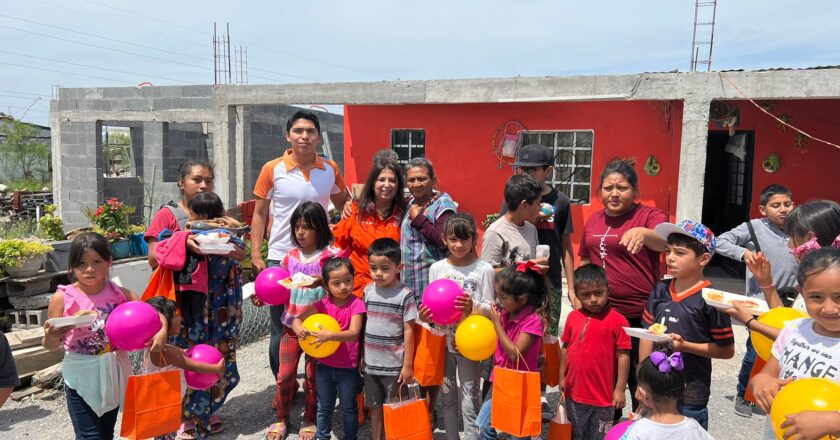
(248, 412)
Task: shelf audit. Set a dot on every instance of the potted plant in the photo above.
(22, 257)
(111, 220)
(51, 227)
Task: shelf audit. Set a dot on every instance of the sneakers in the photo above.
(742, 407)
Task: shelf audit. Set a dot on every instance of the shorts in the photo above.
(381, 389)
(589, 421)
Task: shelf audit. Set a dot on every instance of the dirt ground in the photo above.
(247, 413)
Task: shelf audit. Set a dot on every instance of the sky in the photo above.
(102, 43)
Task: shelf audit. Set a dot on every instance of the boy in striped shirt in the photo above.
(391, 312)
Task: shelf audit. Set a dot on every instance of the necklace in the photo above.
(432, 199)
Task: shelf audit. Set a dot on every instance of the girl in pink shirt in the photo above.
(337, 373)
(520, 316)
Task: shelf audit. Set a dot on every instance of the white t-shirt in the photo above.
(646, 429)
(505, 243)
(476, 279)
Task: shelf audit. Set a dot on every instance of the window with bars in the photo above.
(735, 175)
(408, 143)
(572, 160)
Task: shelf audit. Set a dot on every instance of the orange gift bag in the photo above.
(429, 356)
(550, 373)
(559, 428)
(152, 405)
(407, 419)
(515, 405)
(161, 283)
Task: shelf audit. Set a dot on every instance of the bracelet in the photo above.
(747, 324)
(769, 286)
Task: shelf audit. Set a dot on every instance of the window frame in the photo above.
(411, 145)
(559, 151)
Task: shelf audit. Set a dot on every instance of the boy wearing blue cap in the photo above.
(698, 330)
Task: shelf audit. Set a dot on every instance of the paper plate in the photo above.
(211, 239)
(289, 284)
(248, 290)
(728, 297)
(217, 249)
(75, 321)
(644, 334)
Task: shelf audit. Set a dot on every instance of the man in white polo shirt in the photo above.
(298, 176)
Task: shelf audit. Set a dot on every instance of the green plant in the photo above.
(15, 252)
(111, 219)
(34, 185)
(22, 155)
(490, 219)
(136, 229)
(50, 225)
(21, 228)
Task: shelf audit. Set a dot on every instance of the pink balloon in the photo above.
(618, 430)
(131, 325)
(206, 354)
(439, 296)
(267, 286)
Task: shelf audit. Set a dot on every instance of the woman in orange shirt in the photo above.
(376, 214)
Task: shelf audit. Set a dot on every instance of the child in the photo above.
(519, 317)
(808, 347)
(92, 400)
(311, 237)
(476, 278)
(389, 334)
(765, 235)
(595, 360)
(338, 371)
(209, 298)
(553, 230)
(513, 236)
(661, 386)
(698, 330)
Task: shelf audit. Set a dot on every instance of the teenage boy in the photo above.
(592, 337)
(697, 330)
(389, 335)
(554, 230)
(513, 237)
(765, 235)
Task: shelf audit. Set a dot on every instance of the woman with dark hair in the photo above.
(421, 232)
(377, 214)
(196, 176)
(620, 238)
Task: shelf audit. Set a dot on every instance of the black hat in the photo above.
(534, 155)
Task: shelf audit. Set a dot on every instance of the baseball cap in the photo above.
(695, 230)
(534, 155)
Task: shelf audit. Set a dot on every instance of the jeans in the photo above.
(486, 432)
(696, 412)
(469, 373)
(276, 330)
(86, 424)
(330, 381)
(746, 368)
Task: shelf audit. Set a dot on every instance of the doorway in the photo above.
(727, 193)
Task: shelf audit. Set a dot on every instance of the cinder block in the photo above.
(202, 103)
(161, 103)
(140, 105)
(16, 318)
(66, 104)
(196, 91)
(36, 318)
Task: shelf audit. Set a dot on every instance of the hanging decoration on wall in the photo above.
(652, 166)
(725, 115)
(772, 163)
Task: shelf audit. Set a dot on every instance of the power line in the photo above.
(137, 14)
(94, 67)
(64, 72)
(28, 98)
(25, 93)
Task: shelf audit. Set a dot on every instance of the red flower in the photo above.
(98, 211)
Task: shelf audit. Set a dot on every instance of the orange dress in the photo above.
(356, 234)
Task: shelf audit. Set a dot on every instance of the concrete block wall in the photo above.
(132, 99)
(128, 190)
(82, 166)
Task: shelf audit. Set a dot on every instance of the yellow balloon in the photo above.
(776, 318)
(313, 324)
(476, 338)
(812, 393)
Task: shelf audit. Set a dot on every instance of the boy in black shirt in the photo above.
(698, 330)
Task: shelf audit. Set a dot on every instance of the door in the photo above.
(727, 191)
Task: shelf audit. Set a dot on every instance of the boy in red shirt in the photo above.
(593, 335)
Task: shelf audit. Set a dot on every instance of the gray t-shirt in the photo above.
(387, 312)
(8, 372)
(505, 243)
(774, 245)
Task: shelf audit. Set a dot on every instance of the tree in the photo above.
(21, 153)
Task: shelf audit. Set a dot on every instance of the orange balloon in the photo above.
(776, 318)
(807, 394)
(313, 324)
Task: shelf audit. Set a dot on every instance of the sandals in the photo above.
(307, 432)
(187, 430)
(278, 428)
(216, 424)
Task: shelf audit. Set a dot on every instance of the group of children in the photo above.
(377, 335)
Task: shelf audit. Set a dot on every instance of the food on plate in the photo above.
(745, 304)
(715, 296)
(297, 280)
(657, 329)
(85, 312)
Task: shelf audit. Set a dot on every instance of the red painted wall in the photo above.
(810, 174)
(459, 142)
